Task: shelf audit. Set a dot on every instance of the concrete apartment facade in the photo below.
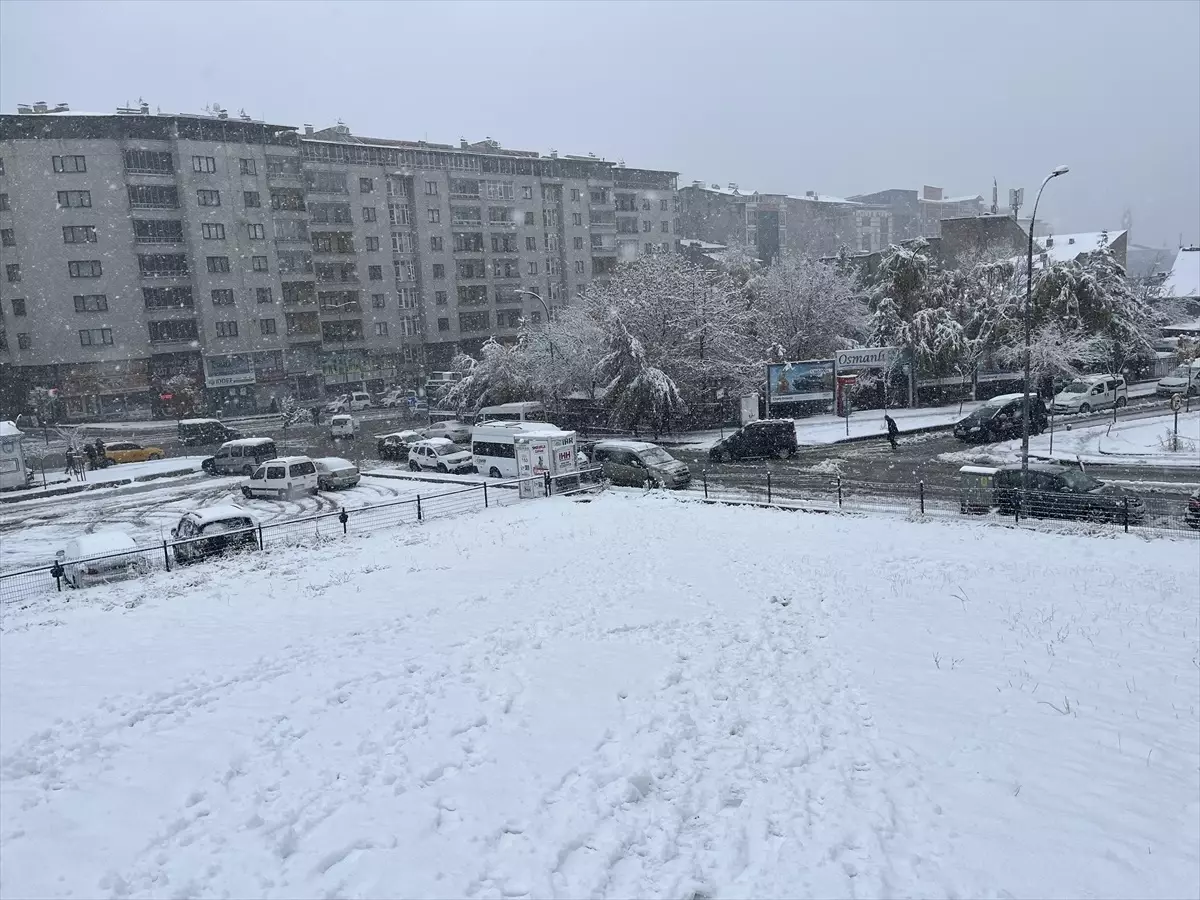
(244, 261)
(920, 213)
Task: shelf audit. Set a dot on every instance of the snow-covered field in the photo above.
(628, 697)
(154, 468)
(1135, 442)
(31, 532)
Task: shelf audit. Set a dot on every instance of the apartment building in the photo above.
(148, 254)
(919, 214)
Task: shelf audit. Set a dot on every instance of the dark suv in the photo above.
(767, 437)
(999, 419)
(1058, 492)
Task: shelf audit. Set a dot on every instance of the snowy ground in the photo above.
(1128, 443)
(566, 699)
(31, 532)
(122, 472)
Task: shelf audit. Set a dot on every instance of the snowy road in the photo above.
(459, 710)
(31, 532)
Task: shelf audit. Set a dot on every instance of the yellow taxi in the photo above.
(126, 452)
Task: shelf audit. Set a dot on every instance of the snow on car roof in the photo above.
(404, 435)
(287, 459)
(435, 441)
(633, 446)
(199, 421)
(9, 429)
(1001, 399)
(333, 463)
(99, 543)
(249, 442)
(217, 513)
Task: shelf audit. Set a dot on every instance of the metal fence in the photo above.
(60, 575)
(1126, 512)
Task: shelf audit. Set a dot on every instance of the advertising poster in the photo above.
(563, 449)
(794, 382)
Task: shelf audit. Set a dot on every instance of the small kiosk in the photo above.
(14, 473)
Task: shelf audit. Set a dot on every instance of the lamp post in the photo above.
(538, 297)
(1060, 170)
(341, 308)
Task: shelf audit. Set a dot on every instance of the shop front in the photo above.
(229, 385)
(177, 385)
(111, 390)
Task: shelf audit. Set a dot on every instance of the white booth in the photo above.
(13, 471)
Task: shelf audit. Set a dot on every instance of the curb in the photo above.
(99, 486)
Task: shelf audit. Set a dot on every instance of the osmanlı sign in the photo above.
(865, 358)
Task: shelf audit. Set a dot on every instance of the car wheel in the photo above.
(441, 468)
(1191, 391)
(1085, 409)
(413, 467)
(1121, 401)
(247, 471)
(246, 493)
(154, 456)
(493, 472)
(726, 456)
(781, 453)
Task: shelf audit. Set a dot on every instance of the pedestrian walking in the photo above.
(892, 429)
(90, 451)
(101, 453)
(70, 459)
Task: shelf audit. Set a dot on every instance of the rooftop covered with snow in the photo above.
(1184, 279)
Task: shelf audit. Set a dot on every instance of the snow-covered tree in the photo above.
(1056, 353)
(292, 413)
(560, 357)
(637, 390)
(496, 377)
(807, 307)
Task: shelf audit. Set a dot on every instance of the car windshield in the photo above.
(223, 525)
(1076, 387)
(447, 449)
(1080, 482)
(656, 457)
(1181, 371)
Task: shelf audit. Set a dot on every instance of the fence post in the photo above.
(166, 556)
(921, 489)
(1126, 514)
(57, 571)
(547, 486)
(343, 517)
(839, 487)
(261, 545)
(485, 500)
(419, 507)
(1017, 509)
(704, 477)
(768, 486)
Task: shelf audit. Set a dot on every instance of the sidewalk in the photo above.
(59, 484)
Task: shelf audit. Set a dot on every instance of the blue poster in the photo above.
(796, 381)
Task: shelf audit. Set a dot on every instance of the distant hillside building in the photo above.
(920, 214)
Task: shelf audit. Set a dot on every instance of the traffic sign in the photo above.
(1176, 401)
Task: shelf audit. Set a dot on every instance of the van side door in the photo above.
(277, 479)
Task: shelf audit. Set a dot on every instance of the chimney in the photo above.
(733, 186)
(24, 109)
(62, 107)
(221, 113)
(811, 194)
(697, 183)
(553, 154)
(462, 143)
(40, 106)
(145, 107)
(308, 129)
(1069, 241)
(1049, 244)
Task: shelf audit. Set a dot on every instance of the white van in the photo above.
(1091, 392)
(1184, 379)
(526, 411)
(101, 556)
(342, 426)
(492, 445)
(284, 477)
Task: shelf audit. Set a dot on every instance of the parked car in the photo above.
(1063, 493)
(766, 437)
(1191, 515)
(640, 464)
(396, 445)
(342, 426)
(440, 454)
(351, 402)
(127, 451)
(1092, 392)
(197, 432)
(213, 531)
(1184, 379)
(240, 457)
(999, 419)
(398, 397)
(458, 432)
(333, 473)
(282, 478)
(101, 556)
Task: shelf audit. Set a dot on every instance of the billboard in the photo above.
(793, 382)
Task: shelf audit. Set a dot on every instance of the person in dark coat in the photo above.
(70, 460)
(892, 429)
(101, 453)
(90, 450)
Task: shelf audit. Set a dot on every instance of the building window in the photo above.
(531, 243)
(440, 298)
(204, 164)
(372, 244)
(23, 340)
(69, 163)
(535, 317)
(378, 301)
(256, 232)
(375, 273)
(435, 215)
(168, 297)
(369, 214)
(408, 298)
(95, 337)
(366, 185)
(226, 329)
(212, 231)
(666, 227)
(552, 266)
(8, 237)
(579, 267)
(208, 198)
(404, 269)
(381, 329)
(263, 295)
(84, 269)
(649, 249)
(436, 244)
(529, 219)
(575, 195)
(439, 270)
(508, 318)
(149, 162)
(533, 267)
(473, 295)
(251, 199)
(79, 234)
(180, 330)
(474, 321)
(18, 305)
(577, 243)
(402, 242)
(577, 219)
(266, 326)
(431, 188)
(527, 191)
(222, 297)
(647, 225)
(551, 243)
(646, 204)
(443, 325)
(218, 264)
(166, 265)
(68, 199)
(91, 303)
(4, 201)
(248, 167)
(258, 263)
(158, 231)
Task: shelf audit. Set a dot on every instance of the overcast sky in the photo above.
(840, 97)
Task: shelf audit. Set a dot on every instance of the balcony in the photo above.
(304, 337)
(338, 312)
(604, 251)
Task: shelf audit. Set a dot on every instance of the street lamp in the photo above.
(1061, 170)
(538, 298)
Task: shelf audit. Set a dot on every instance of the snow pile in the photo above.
(1146, 441)
(630, 697)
